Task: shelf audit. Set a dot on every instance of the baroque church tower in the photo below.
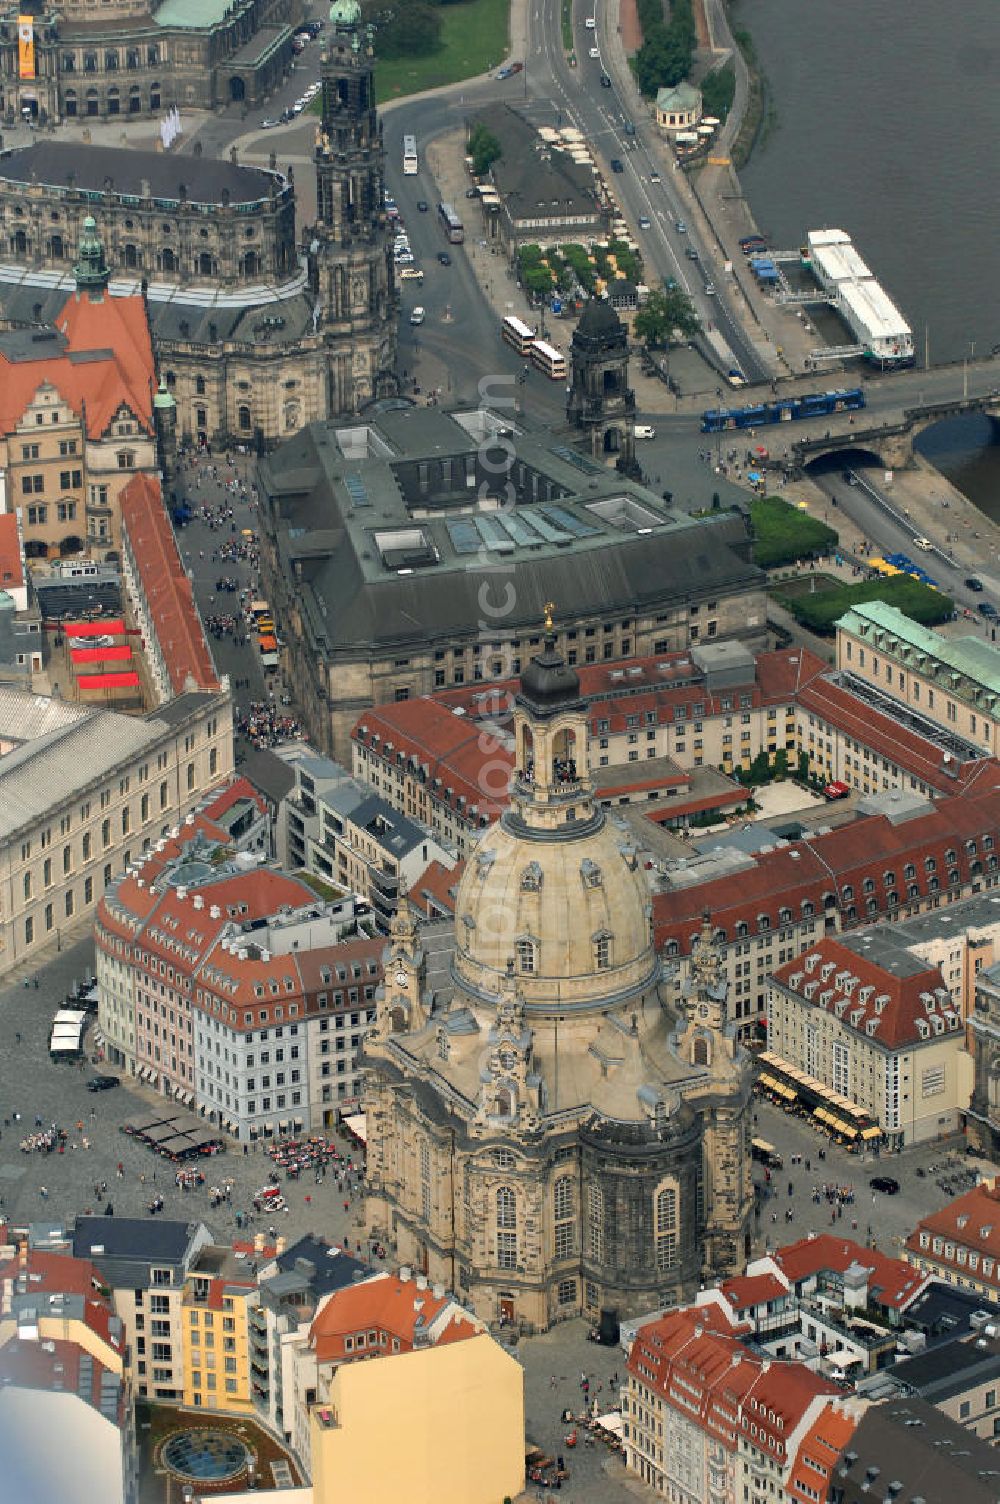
(350, 260)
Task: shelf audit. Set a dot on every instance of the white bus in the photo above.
(549, 360)
(411, 165)
(517, 334)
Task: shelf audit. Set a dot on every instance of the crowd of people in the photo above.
(264, 725)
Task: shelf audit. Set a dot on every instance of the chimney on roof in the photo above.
(404, 1274)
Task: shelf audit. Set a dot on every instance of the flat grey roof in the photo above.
(201, 180)
(388, 526)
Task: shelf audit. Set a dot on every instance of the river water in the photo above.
(887, 124)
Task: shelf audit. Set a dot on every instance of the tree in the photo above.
(408, 28)
(484, 148)
(663, 313)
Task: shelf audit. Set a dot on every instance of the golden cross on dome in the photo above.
(549, 608)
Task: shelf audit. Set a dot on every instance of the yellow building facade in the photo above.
(455, 1417)
(216, 1347)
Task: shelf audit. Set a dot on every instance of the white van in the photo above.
(645, 431)
(417, 316)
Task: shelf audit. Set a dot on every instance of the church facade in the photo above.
(544, 1135)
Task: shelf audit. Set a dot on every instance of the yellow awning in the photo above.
(789, 1092)
(820, 1112)
(871, 1133)
(765, 1080)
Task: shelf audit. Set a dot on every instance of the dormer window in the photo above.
(531, 878)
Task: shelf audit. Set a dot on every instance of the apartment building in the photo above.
(902, 856)
(394, 1346)
(145, 1262)
(960, 1378)
(20, 617)
(234, 988)
(708, 1419)
(910, 1452)
(340, 831)
(960, 1244)
(952, 683)
(160, 596)
(888, 1037)
(216, 1301)
(64, 1373)
(76, 421)
(83, 793)
(291, 1283)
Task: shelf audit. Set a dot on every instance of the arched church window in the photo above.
(595, 1222)
(506, 1208)
(665, 1208)
(506, 1228)
(526, 955)
(565, 1218)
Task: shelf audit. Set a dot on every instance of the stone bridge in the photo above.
(884, 431)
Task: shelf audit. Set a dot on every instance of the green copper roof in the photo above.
(345, 14)
(198, 15)
(162, 400)
(971, 657)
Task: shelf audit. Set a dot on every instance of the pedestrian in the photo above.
(17, 1037)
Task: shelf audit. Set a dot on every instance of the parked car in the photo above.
(404, 258)
(590, 23)
(973, 584)
(644, 221)
(268, 124)
(710, 289)
(595, 52)
(985, 609)
(422, 205)
(923, 543)
(644, 431)
(504, 73)
(411, 274)
(605, 81)
(417, 316)
(616, 165)
(885, 1184)
(654, 177)
(681, 227)
(444, 258)
(517, 67)
(102, 1083)
(472, 192)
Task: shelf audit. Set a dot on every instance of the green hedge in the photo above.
(783, 534)
(920, 602)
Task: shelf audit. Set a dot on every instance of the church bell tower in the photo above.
(350, 259)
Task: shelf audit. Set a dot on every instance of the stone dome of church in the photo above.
(553, 889)
(581, 905)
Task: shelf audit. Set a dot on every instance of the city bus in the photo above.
(550, 361)
(453, 227)
(411, 166)
(517, 334)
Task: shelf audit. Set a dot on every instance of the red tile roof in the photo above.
(872, 1001)
(467, 767)
(727, 1388)
(891, 1282)
(818, 1453)
(166, 587)
(62, 1274)
(871, 727)
(119, 371)
(842, 859)
(748, 1290)
(391, 1308)
(11, 566)
(971, 1223)
(435, 890)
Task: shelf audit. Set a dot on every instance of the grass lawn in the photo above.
(473, 40)
(818, 610)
